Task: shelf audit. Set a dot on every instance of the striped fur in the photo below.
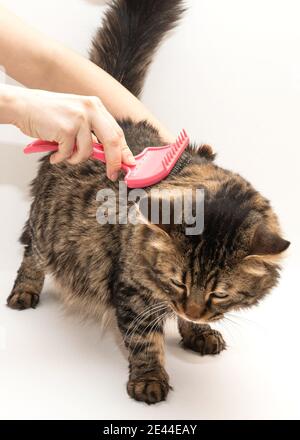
(145, 274)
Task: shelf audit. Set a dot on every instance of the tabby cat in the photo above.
(147, 272)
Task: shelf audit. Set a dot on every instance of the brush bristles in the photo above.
(174, 148)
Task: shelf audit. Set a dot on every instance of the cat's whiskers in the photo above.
(247, 320)
(131, 334)
(231, 321)
(144, 315)
(152, 330)
(227, 325)
(151, 323)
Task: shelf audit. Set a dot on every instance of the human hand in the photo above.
(70, 120)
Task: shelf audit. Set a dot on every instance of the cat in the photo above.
(145, 273)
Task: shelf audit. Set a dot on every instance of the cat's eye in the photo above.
(219, 295)
(177, 283)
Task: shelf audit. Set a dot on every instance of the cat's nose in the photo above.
(193, 310)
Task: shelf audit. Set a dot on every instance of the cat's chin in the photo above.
(201, 321)
(216, 318)
(195, 321)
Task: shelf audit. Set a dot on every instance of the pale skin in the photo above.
(68, 97)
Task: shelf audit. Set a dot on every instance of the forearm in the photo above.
(39, 62)
(71, 73)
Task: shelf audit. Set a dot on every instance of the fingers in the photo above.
(113, 155)
(127, 156)
(76, 117)
(65, 150)
(84, 146)
(116, 151)
(113, 140)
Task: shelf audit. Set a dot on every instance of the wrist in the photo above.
(11, 104)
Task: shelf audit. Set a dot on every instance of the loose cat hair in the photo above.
(146, 273)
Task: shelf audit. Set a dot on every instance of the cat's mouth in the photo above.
(217, 317)
(201, 319)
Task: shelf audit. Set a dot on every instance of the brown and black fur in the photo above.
(146, 273)
(128, 38)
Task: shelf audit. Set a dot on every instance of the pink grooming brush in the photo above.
(152, 165)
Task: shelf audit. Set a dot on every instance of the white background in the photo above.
(230, 74)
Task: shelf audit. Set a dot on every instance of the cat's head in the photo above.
(232, 264)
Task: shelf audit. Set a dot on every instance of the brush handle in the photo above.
(40, 146)
(153, 164)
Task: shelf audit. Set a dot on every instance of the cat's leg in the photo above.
(28, 284)
(143, 337)
(200, 337)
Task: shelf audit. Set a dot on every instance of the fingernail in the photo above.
(114, 176)
(131, 159)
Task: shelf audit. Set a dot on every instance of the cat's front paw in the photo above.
(207, 342)
(22, 300)
(150, 387)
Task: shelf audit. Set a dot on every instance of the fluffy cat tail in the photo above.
(130, 34)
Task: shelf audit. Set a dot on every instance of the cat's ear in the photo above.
(266, 242)
(207, 152)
